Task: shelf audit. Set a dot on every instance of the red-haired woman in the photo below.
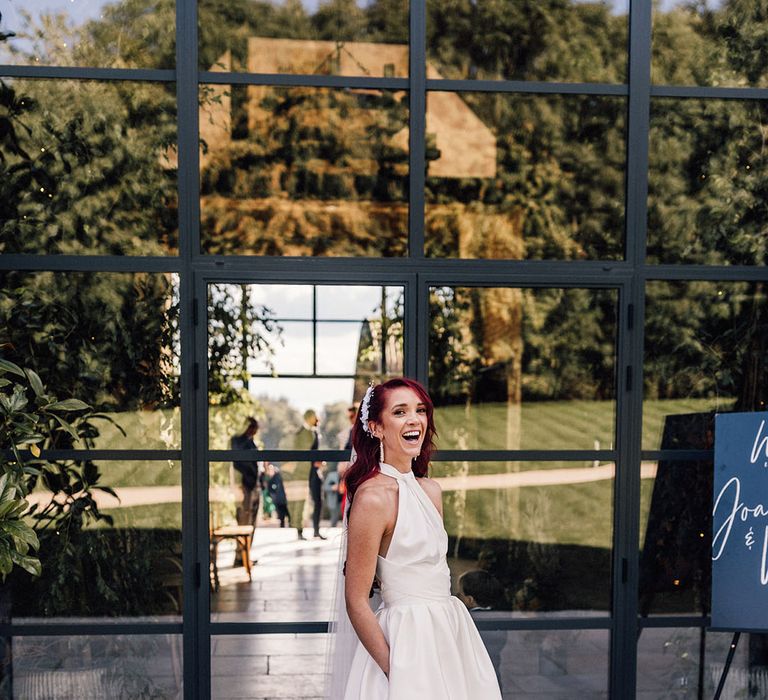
(421, 643)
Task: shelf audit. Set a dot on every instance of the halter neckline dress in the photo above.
(435, 650)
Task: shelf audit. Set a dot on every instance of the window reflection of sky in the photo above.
(76, 11)
(305, 393)
(337, 347)
(337, 342)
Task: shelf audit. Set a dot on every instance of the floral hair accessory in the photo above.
(365, 407)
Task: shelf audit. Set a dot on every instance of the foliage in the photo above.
(305, 162)
(30, 417)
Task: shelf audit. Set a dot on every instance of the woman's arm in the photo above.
(368, 521)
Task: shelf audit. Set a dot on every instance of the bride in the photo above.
(421, 642)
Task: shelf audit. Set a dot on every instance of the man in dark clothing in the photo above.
(308, 438)
(252, 478)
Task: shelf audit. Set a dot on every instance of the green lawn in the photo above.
(554, 425)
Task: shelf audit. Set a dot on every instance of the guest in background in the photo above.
(332, 496)
(251, 473)
(276, 490)
(308, 438)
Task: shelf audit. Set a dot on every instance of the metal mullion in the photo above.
(293, 274)
(422, 323)
(410, 327)
(303, 80)
(593, 279)
(522, 86)
(417, 124)
(155, 75)
(196, 653)
(359, 266)
(705, 92)
(288, 375)
(524, 455)
(314, 330)
(89, 263)
(321, 626)
(67, 629)
(200, 504)
(626, 494)
(320, 320)
(623, 668)
(106, 455)
(439, 455)
(277, 455)
(714, 273)
(678, 455)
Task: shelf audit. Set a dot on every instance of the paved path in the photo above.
(152, 495)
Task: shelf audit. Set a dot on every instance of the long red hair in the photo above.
(366, 464)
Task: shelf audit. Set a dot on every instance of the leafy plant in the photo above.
(28, 417)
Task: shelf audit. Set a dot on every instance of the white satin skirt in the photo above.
(435, 653)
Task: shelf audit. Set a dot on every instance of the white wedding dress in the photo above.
(435, 650)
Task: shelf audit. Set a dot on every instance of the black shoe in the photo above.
(318, 536)
(301, 536)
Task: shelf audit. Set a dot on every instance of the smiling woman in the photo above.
(396, 533)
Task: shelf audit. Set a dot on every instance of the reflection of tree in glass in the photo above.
(88, 167)
(239, 331)
(380, 348)
(707, 340)
(330, 150)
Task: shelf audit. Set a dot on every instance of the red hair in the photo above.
(366, 464)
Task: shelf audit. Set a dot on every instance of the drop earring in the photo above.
(381, 449)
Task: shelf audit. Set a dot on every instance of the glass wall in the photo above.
(220, 220)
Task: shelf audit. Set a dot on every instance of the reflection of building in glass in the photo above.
(467, 146)
(317, 171)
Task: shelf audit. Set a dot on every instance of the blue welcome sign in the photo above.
(740, 522)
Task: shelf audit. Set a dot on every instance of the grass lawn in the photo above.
(555, 425)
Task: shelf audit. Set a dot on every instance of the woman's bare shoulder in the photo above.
(431, 486)
(375, 492)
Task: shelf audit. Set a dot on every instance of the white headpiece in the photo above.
(365, 408)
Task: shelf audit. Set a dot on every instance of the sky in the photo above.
(81, 10)
(337, 343)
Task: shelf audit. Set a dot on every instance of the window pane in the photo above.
(572, 41)
(514, 368)
(675, 537)
(544, 664)
(562, 664)
(543, 530)
(303, 171)
(294, 579)
(688, 663)
(704, 353)
(103, 666)
(97, 33)
(268, 665)
(284, 301)
(109, 339)
(264, 366)
(525, 177)
(708, 43)
(354, 302)
(118, 559)
(88, 168)
(340, 37)
(706, 200)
